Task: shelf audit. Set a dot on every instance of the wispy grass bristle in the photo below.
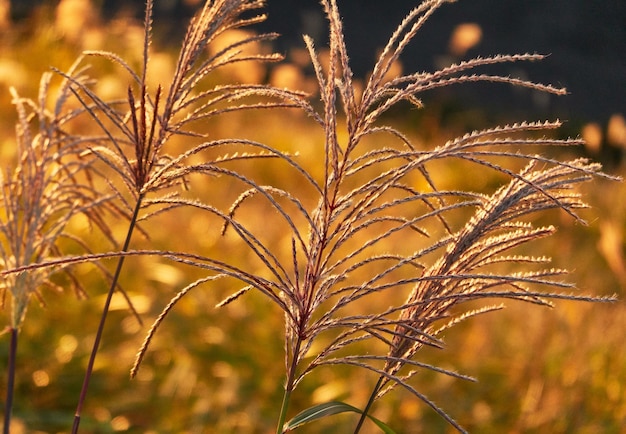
(377, 254)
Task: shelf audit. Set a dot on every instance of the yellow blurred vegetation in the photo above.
(465, 37)
(220, 370)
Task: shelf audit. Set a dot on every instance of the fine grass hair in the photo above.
(377, 254)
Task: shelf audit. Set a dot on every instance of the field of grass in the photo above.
(221, 370)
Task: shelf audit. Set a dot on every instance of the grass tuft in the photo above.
(370, 256)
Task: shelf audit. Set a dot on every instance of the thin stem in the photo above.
(288, 389)
(105, 311)
(370, 402)
(283, 411)
(8, 409)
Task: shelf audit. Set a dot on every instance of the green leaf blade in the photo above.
(320, 411)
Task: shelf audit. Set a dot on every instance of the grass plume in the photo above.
(369, 259)
(41, 194)
(136, 132)
(369, 192)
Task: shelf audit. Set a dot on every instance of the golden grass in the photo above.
(560, 371)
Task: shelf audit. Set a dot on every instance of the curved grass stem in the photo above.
(103, 317)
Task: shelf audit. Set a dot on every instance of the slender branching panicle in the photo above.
(135, 132)
(380, 187)
(41, 194)
(369, 255)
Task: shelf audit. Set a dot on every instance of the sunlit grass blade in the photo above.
(326, 409)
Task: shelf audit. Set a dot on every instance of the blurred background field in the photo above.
(215, 370)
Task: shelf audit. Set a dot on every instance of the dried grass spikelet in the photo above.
(138, 129)
(241, 72)
(141, 168)
(338, 260)
(41, 195)
(352, 247)
(126, 146)
(468, 269)
(130, 155)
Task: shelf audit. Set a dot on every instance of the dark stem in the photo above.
(370, 402)
(105, 311)
(8, 409)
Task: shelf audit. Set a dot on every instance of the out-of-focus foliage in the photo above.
(221, 370)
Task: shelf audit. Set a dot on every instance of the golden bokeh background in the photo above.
(221, 370)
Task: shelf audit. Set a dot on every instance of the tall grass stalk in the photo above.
(381, 225)
(376, 255)
(135, 138)
(41, 194)
(105, 310)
